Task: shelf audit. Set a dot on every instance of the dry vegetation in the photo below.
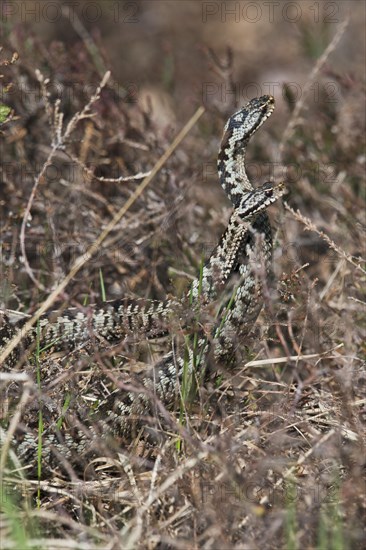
(271, 453)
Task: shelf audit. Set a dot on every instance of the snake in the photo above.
(229, 273)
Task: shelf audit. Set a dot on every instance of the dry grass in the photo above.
(272, 452)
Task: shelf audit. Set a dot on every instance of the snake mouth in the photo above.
(266, 104)
(262, 102)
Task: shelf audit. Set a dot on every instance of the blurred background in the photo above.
(160, 49)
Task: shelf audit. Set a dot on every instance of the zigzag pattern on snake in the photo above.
(229, 267)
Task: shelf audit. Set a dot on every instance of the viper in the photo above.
(230, 273)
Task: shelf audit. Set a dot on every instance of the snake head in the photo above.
(255, 201)
(242, 124)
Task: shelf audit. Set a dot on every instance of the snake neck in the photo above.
(231, 170)
(239, 129)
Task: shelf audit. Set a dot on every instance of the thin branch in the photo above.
(102, 179)
(26, 217)
(278, 360)
(309, 226)
(59, 141)
(295, 118)
(13, 425)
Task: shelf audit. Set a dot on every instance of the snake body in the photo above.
(230, 266)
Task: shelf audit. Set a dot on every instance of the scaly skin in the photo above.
(138, 394)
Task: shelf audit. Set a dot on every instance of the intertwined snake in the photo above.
(230, 271)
